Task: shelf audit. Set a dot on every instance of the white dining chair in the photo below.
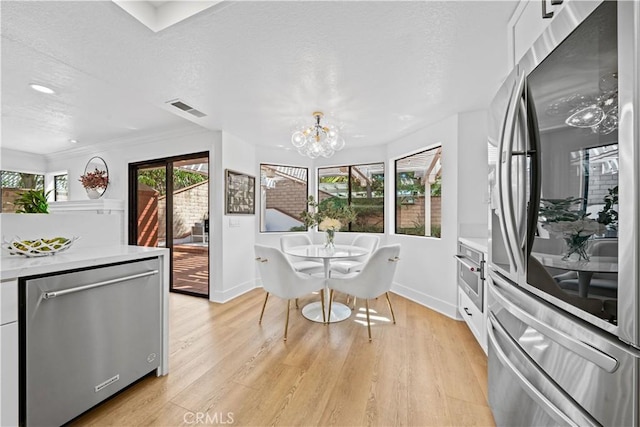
(365, 241)
(374, 280)
(302, 265)
(280, 279)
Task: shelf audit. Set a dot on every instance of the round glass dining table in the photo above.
(313, 311)
(585, 269)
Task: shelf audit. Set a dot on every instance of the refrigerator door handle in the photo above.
(500, 185)
(506, 154)
(528, 387)
(603, 360)
(49, 295)
(522, 223)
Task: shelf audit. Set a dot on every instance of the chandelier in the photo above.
(317, 140)
(598, 113)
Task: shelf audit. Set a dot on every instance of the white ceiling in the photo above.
(381, 69)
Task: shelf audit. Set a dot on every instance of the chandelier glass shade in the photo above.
(318, 140)
(598, 113)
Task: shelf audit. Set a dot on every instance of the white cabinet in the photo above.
(475, 319)
(528, 23)
(9, 374)
(9, 356)
(8, 301)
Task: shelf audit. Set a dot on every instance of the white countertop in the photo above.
(477, 243)
(14, 266)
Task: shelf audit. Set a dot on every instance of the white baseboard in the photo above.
(449, 310)
(443, 307)
(229, 294)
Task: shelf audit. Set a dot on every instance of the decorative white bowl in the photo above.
(38, 247)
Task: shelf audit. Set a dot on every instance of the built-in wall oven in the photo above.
(563, 144)
(471, 273)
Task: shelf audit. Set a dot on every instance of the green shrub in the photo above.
(32, 201)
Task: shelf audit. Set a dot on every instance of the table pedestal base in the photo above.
(313, 312)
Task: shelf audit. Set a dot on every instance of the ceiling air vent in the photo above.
(186, 108)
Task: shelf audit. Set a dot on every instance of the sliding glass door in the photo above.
(169, 207)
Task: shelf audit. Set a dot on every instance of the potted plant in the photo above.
(32, 201)
(95, 182)
(329, 216)
(608, 216)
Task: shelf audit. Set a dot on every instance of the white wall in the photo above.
(427, 272)
(19, 161)
(235, 249)
(190, 139)
(473, 182)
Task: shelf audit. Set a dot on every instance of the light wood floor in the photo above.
(427, 370)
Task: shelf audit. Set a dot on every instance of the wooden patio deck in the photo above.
(191, 269)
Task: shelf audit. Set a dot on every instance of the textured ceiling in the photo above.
(380, 69)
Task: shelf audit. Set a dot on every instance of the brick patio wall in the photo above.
(599, 185)
(9, 195)
(190, 205)
(409, 215)
(289, 197)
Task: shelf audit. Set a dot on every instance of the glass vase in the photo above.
(576, 248)
(330, 237)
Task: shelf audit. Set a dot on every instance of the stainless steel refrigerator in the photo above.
(563, 275)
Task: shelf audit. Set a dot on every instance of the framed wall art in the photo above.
(240, 193)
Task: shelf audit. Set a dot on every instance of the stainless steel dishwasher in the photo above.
(85, 335)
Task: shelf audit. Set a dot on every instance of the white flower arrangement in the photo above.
(580, 227)
(576, 234)
(329, 224)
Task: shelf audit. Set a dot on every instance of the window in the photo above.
(61, 188)
(596, 181)
(283, 193)
(418, 193)
(14, 183)
(360, 186)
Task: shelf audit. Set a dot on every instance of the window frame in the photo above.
(263, 208)
(55, 185)
(349, 192)
(437, 146)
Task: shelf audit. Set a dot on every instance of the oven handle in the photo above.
(471, 267)
(595, 356)
(531, 390)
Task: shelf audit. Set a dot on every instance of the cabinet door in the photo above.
(8, 301)
(473, 317)
(529, 25)
(9, 374)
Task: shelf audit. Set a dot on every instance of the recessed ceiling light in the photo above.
(42, 89)
(73, 141)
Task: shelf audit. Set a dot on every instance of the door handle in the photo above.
(49, 295)
(473, 268)
(466, 310)
(500, 178)
(546, 14)
(595, 356)
(508, 210)
(530, 389)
